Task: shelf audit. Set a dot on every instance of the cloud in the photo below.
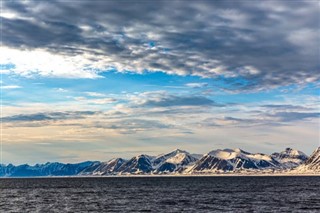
(164, 99)
(61, 90)
(179, 101)
(95, 94)
(95, 101)
(130, 126)
(281, 118)
(40, 62)
(197, 85)
(50, 116)
(265, 45)
(284, 107)
(10, 87)
(295, 116)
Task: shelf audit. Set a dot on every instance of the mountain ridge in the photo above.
(177, 162)
(312, 164)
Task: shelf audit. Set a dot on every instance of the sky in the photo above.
(94, 80)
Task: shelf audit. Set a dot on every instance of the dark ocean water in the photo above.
(161, 194)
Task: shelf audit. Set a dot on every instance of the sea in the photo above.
(161, 194)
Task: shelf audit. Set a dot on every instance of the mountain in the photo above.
(104, 168)
(313, 162)
(172, 162)
(47, 169)
(312, 165)
(227, 160)
(90, 169)
(290, 158)
(141, 164)
(163, 157)
(179, 162)
(175, 161)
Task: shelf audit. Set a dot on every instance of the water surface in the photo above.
(161, 194)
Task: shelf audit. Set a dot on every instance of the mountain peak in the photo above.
(143, 156)
(237, 150)
(224, 153)
(292, 151)
(313, 163)
(290, 157)
(314, 159)
(177, 161)
(232, 160)
(179, 151)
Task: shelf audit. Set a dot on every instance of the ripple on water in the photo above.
(161, 194)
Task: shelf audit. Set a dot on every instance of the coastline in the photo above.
(173, 175)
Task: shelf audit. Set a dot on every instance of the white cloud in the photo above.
(95, 94)
(61, 90)
(8, 15)
(30, 63)
(197, 85)
(97, 101)
(11, 87)
(102, 101)
(248, 70)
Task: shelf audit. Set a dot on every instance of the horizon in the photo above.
(116, 78)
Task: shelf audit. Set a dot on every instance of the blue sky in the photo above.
(123, 78)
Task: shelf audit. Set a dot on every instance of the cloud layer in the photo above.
(158, 110)
(264, 44)
(86, 78)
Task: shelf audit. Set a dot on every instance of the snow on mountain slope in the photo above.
(90, 169)
(314, 161)
(181, 159)
(231, 160)
(166, 163)
(163, 157)
(174, 161)
(179, 162)
(105, 168)
(112, 166)
(141, 164)
(312, 165)
(290, 158)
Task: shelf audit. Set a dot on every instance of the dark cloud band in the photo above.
(266, 44)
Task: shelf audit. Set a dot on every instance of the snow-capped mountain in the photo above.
(163, 157)
(232, 160)
(314, 160)
(104, 168)
(172, 162)
(312, 165)
(179, 162)
(290, 158)
(175, 161)
(141, 164)
(48, 169)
